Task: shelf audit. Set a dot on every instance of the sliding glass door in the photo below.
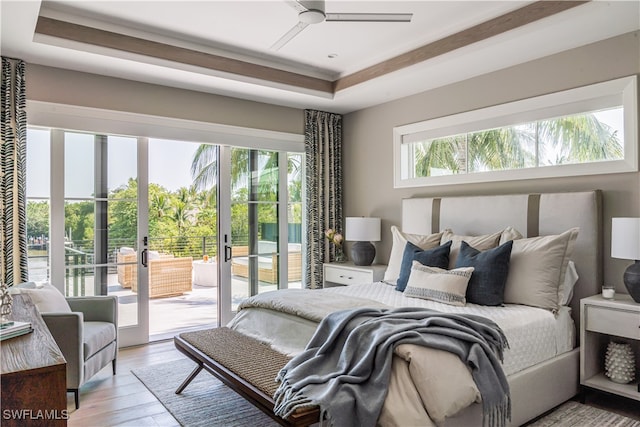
(261, 232)
(179, 231)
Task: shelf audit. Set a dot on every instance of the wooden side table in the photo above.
(601, 321)
(347, 273)
(33, 373)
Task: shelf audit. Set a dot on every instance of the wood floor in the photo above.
(122, 400)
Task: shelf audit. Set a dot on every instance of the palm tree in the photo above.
(572, 139)
(204, 168)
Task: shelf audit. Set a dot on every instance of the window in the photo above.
(589, 130)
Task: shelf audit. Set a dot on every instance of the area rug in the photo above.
(574, 414)
(208, 402)
(205, 402)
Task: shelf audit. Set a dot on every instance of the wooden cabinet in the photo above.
(33, 373)
(604, 320)
(347, 273)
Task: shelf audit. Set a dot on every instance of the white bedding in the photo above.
(534, 334)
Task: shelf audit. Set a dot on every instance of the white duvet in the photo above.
(427, 386)
(534, 334)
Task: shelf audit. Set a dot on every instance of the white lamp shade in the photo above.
(362, 229)
(625, 238)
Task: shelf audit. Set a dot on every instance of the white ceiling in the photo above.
(245, 30)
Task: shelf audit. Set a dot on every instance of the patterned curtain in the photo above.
(323, 147)
(13, 181)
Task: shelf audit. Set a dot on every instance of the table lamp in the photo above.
(625, 244)
(363, 231)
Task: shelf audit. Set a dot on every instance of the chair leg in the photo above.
(75, 396)
(113, 364)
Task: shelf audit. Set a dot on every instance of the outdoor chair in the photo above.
(168, 275)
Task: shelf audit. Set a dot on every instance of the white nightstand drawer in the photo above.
(613, 322)
(347, 276)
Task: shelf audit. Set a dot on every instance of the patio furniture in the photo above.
(267, 265)
(168, 275)
(205, 273)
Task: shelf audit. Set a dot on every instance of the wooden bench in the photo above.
(246, 365)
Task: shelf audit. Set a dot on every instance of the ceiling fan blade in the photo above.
(369, 17)
(299, 7)
(289, 35)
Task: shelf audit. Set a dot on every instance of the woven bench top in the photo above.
(256, 362)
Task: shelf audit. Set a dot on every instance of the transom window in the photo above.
(589, 130)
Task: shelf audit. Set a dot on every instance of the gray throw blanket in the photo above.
(346, 366)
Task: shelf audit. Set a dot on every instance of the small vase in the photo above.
(619, 363)
(340, 255)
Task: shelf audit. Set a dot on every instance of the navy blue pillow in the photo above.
(436, 257)
(491, 268)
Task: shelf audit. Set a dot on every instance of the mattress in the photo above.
(534, 334)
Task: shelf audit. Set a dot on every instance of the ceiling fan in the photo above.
(313, 12)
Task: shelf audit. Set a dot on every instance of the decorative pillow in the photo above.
(491, 267)
(400, 239)
(565, 293)
(437, 284)
(538, 268)
(46, 297)
(509, 233)
(481, 243)
(436, 257)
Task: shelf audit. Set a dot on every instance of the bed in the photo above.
(542, 363)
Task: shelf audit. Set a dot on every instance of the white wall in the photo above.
(368, 150)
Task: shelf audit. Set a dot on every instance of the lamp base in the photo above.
(632, 280)
(363, 253)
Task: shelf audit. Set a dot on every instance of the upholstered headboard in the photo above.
(531, 214)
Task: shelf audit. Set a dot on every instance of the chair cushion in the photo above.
(97, 335)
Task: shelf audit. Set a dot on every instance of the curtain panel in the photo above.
(323, 148)
(13, 181)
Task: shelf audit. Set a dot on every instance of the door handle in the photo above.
(144, 257)
(228, 253)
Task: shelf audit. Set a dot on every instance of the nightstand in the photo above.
(347, 273)
(602, 320)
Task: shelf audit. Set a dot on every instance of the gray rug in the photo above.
(574, 414)
(205, 402)
(208, 402)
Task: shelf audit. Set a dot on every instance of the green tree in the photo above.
(574, 139)
(37, 218)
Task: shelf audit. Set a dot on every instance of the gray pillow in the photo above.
(491, 268)
(538, 269)
(436, 257)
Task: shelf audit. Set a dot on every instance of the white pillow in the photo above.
(565, 293)
(437, 284)
(46, 297)
(537, 269)
(400, 240)
(126, 250)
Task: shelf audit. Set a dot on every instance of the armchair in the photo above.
(87, 337)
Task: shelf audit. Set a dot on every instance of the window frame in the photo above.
(623, 91)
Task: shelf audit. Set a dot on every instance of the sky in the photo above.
(169, 163)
